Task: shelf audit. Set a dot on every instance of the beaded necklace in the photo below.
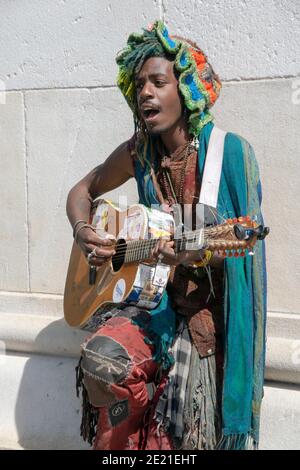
(166, 178)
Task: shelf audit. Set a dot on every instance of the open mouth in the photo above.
(150, 113)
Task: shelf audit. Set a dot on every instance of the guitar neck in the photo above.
(229, 236)
(140, 250)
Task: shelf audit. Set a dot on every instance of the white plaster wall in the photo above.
(13, 181)
(66, 43)
(244, 39)
(72, 43)
(69, 133)
(61, 114)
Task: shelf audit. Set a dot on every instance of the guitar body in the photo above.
(133, 283)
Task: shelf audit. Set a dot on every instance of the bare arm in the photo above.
(115, 171)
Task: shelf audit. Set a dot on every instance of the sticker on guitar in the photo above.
(149, 284)
(132, 227)
(119, 291)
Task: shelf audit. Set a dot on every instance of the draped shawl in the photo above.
(244, 291)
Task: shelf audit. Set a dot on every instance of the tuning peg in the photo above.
(264, 231)
(241, 219)
(229, 221)
(242, 253)
(251, 252)
(234, 220)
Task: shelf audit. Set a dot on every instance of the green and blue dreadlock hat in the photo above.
(198, 83)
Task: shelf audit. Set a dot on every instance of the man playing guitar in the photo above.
(166, 379)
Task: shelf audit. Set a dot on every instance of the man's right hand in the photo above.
(102, 248)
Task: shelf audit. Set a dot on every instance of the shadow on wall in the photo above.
(47, 412)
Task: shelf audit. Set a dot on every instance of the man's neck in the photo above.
(175, 137)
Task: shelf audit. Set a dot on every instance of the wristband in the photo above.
(75, 225)
(204, 260)
(83, 226)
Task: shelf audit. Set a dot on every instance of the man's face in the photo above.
(158, 98)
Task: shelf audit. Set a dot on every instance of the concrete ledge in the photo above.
(50, 335)
(280, 417)
(283, 360)
(283, 347)
(283, 325)
(40, 334)
(39, 407)
(8, 445)
(31, 303)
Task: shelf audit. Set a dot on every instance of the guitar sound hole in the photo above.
(118, 258)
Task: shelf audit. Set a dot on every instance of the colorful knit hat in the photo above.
(198, 83)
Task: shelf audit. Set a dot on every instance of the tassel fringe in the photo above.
(237, 442)
(90, 414)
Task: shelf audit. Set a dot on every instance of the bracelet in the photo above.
(203, 261)
(83, 226)
(75, 225)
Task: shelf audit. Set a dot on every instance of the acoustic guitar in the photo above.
(131, 276)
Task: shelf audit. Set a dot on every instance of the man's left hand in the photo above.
(164, 252)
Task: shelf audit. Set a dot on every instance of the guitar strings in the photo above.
(134, 249)
(136, 254)
(194, 235)
(129, 245)
(135, 246)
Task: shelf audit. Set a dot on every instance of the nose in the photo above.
(146, 92)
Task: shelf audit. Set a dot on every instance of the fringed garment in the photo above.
(244, 291)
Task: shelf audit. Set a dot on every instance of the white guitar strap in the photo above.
(212, 168)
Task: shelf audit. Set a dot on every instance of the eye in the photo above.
(160, 83)
(138, 86)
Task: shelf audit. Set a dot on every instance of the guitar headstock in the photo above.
(235, 237)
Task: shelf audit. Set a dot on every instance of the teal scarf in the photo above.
(244, 296)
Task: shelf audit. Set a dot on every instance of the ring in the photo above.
(91, 254)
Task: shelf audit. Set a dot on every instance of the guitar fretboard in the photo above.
(220, 237)
(139, 250)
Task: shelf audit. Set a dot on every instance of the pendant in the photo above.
(195, 142)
